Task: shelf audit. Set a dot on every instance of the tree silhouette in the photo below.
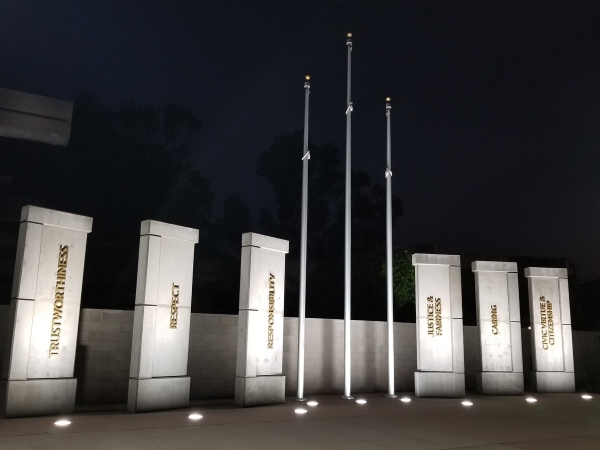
(121, 166)
(281, 166)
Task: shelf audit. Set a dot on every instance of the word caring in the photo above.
(494, 319)
(174, 305)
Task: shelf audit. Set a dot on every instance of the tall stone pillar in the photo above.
(499, 320)
(552, 341)
(259, 379)
(161, 325)
(440, 347)
(37, 375)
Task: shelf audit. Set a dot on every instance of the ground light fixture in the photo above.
(62, 423)
(300, 411)
(586, 396)
(312, 403)
(361, 401)
(531, 399)
(195, 416)
(405, 400)
(467, 403)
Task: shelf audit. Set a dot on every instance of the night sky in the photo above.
(496, 104)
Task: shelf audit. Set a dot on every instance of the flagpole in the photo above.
(347, 273)
(302, 306)
(388, 236)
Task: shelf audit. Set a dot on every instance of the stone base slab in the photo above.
(500, 383)
(39, 397)
(154, 394)
(553, 381)
(261, 390)
(439, 384)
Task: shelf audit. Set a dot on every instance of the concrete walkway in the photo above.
(555, 421)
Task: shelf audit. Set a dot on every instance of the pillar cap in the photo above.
(547, 272)
(266, 242)
(55, 218)
(440, 260)
(494, 266)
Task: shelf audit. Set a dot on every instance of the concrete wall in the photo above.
(104, 350)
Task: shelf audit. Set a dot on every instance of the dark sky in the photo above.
(496, 104)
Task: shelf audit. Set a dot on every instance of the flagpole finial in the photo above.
(349, 39)
(307, 81)
(388, 102)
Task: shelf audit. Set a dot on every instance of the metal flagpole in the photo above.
(302, 307)
(388, 236)
(347, 348)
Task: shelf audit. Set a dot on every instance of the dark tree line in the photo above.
(281, 167)
(132, 163)
(121, 166)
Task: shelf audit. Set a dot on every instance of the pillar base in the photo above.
(500, 383)
(553, 381)
(439, 384)
(259, 391)
(39, 397)
(154, 394)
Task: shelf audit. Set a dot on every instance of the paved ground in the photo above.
(556, 421)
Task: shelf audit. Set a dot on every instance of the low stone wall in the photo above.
(104, 351)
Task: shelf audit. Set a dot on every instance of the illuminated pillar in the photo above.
(499, 321)
(161, 325)
(440, 347)
(37, 375)
(259, 379)
(551, 336)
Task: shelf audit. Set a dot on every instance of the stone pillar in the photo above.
(259, 379)
(37, 375)
(552, 341)
(499, 320)
(161, 325)
(440, 347)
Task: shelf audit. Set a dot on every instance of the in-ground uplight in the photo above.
(62, 423)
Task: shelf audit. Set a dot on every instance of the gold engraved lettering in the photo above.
(544, 322)
(494, 319)
(174, 305)
(430, 323)
(59, 297)
(430, 307)
(434, 316)
(550, 314)
(271, 320)
(438, 316)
